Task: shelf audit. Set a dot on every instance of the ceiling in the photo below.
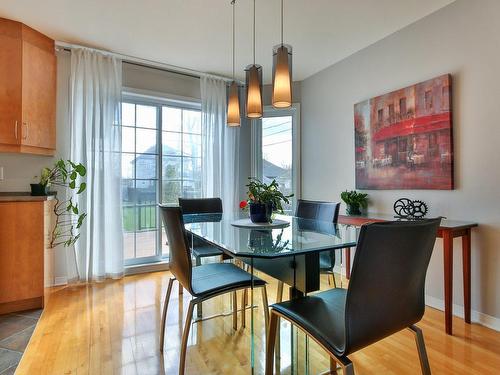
(196, 34)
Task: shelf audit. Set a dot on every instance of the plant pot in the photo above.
(353, 209)
(38, 190)
(261, 212)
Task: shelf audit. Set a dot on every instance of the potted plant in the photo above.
(263, 200)
(41, 187)
(354, 201)
(69, 218)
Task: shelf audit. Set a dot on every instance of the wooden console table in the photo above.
(448, 230)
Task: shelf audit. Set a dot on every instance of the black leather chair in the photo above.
(324, 211)
(385, 295)
(202, 282)
(202, 206)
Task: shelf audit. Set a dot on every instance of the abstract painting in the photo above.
(403, 139)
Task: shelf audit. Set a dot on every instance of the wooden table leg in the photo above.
(347, 263)
(448, 280)
(466, 245)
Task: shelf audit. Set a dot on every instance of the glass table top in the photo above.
(300, 236)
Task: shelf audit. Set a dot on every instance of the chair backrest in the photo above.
(386, 289)
(317, 210)
(180, 254)
(200, 205)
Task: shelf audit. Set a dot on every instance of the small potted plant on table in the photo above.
(263, 200)
(354, 201)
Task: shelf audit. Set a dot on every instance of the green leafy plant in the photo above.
(260, 192)
(354, 201)
(69, 217)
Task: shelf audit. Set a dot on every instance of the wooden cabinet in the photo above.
(27, 90)
(22, 246)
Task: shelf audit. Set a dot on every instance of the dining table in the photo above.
(287, 249)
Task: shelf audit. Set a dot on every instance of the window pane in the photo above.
(128, 139)
(128, 165)
(146, 116)
(146, 141)
(145, 192)
(191, 189)
(171, 168)
(128, 189)
(129, 224)
(171, 119)
(128, 114)
(145, 166)
(192, 145)
(171, 191)
(191, 168)
(277, 152)
(191, 121)
(171, 143)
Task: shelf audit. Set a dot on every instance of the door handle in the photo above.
(15, 130)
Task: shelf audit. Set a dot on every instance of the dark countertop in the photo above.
(23, 196)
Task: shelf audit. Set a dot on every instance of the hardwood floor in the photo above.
(112, 328)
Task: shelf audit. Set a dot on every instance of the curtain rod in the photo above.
(144, 62)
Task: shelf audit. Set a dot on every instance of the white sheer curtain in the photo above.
(220, 146)
(95, 96)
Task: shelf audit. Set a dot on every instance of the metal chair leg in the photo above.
(185, 335)
(422, 352)
(235, 311)
(243, 308)
(265, 306)
(271, 342)
(164, 313)
(348, 369)
(279, 294)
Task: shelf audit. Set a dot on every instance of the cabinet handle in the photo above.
(27, 127)
(15, 130)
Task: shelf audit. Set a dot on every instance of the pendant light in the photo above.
(233, 104)
(282, 72)
(253, 74)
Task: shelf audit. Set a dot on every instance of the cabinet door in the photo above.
(39, 97)
(10, 89)
(21, 251)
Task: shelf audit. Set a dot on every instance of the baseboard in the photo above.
(476, 316)
(60, 280)
(144, 268)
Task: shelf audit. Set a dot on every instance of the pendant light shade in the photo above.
(282, 76)
(233, 106)
(254, 107)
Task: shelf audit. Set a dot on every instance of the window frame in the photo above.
(143, 97)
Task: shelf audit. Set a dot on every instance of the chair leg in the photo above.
(235, 311)
(185, 335)
(265, 306)
(422, 352)
(271, 342)
(243, 308)
(348, 369)
(164, 313)
(279, 294)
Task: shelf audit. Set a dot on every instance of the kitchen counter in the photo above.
(23, 196)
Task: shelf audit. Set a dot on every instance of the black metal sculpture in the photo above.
(407, 209)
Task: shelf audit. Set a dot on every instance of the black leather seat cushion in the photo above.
(322, 315)
(214, 278)
(203, 251)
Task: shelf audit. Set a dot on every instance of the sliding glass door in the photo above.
(161, 161)
(275, 150)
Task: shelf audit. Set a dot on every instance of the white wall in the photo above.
(462, 39)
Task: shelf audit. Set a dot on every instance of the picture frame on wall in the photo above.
(404, 139)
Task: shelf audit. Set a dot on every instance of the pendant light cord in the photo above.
(254, 32)
(232, 3)
(281, 22)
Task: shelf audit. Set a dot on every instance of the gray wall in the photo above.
(462, 39)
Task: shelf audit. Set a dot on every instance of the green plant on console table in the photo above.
(354, 201)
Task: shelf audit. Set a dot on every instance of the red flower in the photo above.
(243, 204)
